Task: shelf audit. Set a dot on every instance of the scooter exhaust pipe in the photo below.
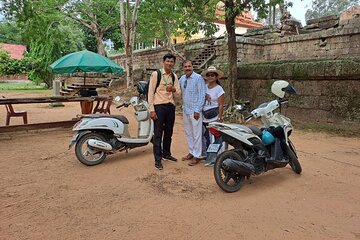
(100, 145)
(234, 166)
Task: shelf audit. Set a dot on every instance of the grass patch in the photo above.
(344, 130)
(21, 87)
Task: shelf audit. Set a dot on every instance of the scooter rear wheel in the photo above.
(228, 181)
(86, 154)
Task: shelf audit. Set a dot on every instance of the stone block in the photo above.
(332, 69)
(355, 21)
(308, 102)
(324, 103)
(329, 24)
(322, 19)
(307, 70)
(350, 69)
(283, 71)
(308, 88)
(308, 115)
(118, 82)
(138, 75)
(346, 107)
(343, 22)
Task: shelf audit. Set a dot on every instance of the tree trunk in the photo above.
(232, 51)
(99, 43)
(128, 29)
(96, 29)
(273, 15)
(168, 38)
(129, 66)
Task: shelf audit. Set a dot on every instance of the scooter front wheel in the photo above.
(87, 154)
(293, 161)
(228, 181)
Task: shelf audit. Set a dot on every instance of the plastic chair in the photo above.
(105, 106)
(12, 113)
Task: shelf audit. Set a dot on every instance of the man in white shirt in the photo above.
(193, 92)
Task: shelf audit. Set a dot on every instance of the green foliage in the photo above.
(47, 33)
(57, 41)
(115, 36)
(100, 18)
(21, 87)
(104, 12)
(10, 66)
(89, 40)
(10, 33)
(163, 18)
(322, 8)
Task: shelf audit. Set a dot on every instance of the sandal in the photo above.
(194, 161)
(187, 157)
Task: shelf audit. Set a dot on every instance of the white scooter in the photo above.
(255, 150)
(99, 135)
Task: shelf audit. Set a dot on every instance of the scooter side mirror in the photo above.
(117, 99)
(238, 107)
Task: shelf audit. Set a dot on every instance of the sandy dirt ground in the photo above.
(46, 193)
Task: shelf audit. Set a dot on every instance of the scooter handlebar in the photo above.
(283, 101)
(125, 104)
(248, 118)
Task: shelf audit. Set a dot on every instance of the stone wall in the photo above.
(152, 58)
(327, 90)
(343, 41)
(323, 63)
(21, 77)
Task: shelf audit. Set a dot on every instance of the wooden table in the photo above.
(86, 103)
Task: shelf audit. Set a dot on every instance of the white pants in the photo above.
(193, 134)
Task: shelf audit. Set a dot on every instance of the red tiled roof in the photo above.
(243, 20)
(15, 51)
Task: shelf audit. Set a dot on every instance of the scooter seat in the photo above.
(122, 118)
(255, 130)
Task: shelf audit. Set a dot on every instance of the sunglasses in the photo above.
(211, 75)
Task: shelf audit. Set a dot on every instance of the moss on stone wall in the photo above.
(346, 68)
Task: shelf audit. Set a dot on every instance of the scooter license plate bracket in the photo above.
(213, 148)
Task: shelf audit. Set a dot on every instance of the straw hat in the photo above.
(213, 69)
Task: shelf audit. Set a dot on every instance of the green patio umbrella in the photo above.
(85, 61)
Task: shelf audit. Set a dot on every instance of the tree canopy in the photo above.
(322, 8)
(45, 31)
(10, 32)
(165, 18)
(98, 16)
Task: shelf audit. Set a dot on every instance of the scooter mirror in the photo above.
(117, 99)
(239, 107)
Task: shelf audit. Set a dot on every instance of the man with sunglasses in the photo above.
(193, 90)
